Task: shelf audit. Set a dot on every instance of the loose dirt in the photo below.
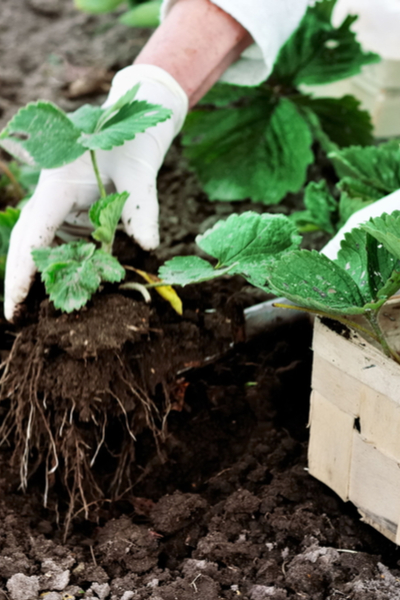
(212, 499)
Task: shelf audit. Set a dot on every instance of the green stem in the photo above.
(373, 321)
(343, 320)
(102, 189)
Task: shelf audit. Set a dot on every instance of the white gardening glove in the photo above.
(388, 204)
(67, 192)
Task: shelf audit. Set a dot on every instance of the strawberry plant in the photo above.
(265, 250)
(43, 135)
(366, 174)
(257, 142)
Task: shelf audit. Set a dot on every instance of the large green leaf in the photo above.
(72, 273)
(321, 208)
(318, 53)
(314, 281)
(243, 245)
(259, 151)
(41, 134)
(130, 120)
(377, 167)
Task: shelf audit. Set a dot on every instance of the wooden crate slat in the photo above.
(375, 485)
(328, 460)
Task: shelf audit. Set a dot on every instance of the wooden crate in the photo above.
(355, 422)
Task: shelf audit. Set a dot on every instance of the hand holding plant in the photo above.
(65, 190)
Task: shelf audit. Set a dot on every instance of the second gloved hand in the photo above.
(67, 192)
(388, 204)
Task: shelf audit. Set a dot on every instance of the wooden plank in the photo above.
(375, 485)
(357, 357)
(330, 446)
(380, 422)
(338, 387)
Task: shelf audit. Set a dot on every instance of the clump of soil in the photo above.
(82, 386)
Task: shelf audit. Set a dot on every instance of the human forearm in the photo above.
(195, 44)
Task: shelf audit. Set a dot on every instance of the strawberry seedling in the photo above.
(43, 135)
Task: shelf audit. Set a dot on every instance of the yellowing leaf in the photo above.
(166, 291)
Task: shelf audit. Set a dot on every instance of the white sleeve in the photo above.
(269, 22)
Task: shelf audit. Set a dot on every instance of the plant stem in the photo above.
(102, 189)
(373, 321)
(343, 320)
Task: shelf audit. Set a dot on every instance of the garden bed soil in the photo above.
(212, 500)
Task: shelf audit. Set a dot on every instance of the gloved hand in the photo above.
(67, 192)
(388, 204)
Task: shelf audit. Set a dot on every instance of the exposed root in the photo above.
(66, 437)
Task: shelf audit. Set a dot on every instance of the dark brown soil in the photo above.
(212, 500)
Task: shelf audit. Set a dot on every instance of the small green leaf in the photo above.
(105, 215)
(41, 134)
(182, 270)
(73, 272)
(377, 167)
(386, 229)
(86, 117)
(259, 151)
(127, 98)
(8, 218)
(320, 209)
(130, 120)
(368, 263)
(146, 14)
(312, 280)
(348, 206)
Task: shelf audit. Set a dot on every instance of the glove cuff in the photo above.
(171, 94)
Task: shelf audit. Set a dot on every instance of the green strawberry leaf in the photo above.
(386, 229)
(72, 273)
(182, 270)
(260, 150)
(249, 242)
(86, 118)
(244, 245)
(105, 215)
(321, 208)
(377, 168)
(130, 120)
(312, 280)
(368, 263)
(41, 134)
(319, 53)
(127, 98)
